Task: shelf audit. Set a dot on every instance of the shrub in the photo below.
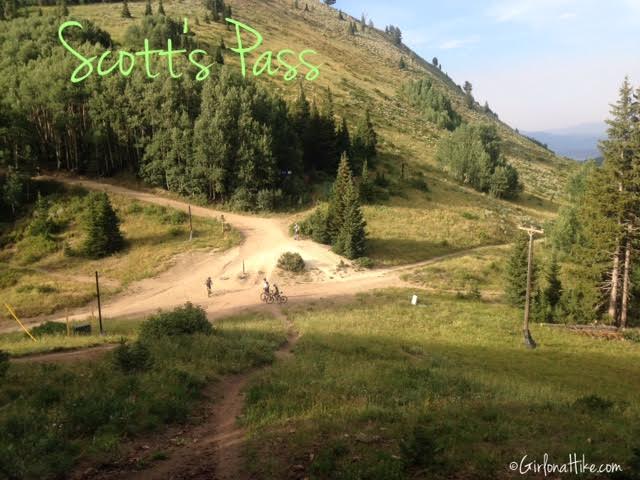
(419, 183)
(32, 249)
(631, 335)
(186, 320)
(175, 217)
(419, 449)
(291, 262)
(4, 363)
(593, 403)
(315, 226)
(364, 262)
(49, 328)
(130, 358)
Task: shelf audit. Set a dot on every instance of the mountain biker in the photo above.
(265, 286)
(276, 290)
(209, 284)
(296, 231)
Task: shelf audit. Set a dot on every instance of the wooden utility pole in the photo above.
(99, 307)
(528, 339)
(190, 225)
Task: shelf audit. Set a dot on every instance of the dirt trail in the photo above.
(264, 240)
(211, 448)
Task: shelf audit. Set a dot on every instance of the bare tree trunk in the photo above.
(626, 283)
(615, 281)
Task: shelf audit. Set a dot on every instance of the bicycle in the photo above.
(272, 298)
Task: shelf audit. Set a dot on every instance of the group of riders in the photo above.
(268, 295)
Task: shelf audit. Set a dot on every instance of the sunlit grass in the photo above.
(365, 376)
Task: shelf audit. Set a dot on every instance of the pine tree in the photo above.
(102, 227)
(340, 15)
(351, 240)
(125, 10)
(306, 7)
(403, 64)
(147, 9)
(366, 188)
(516, 271)
(343, 139)
(161, 8)
(337, 205)
(63, 10)
(219, 58)
(553, 291)
(607, 214)
(364, 142)
(363, 23)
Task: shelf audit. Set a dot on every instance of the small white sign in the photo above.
(414, 300)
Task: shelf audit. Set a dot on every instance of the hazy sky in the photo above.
(541, 64)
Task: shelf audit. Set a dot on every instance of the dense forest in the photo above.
(225, 140)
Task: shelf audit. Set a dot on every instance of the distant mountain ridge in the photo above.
(579, 142)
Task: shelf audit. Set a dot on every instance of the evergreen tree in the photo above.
(125, 10)
(608, 213)
(352, 236)
(343, 139)
(402, 64)
(102, 227)
(147, 9)
(63, 10)
(366, 187)
(371, 25)
(363, 23)
(161, 8)
(553, 291)
(516, 271)
(340, 15)
(306, 7)
(365, 141)
(352, 29)
(219, 58)
(338, 205)
(329, 2)
(468, 91)
(435, 61)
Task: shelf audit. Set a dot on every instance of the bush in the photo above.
(186, 320)
(315, 226)
(419, 449)
(419, 183)
(49, 328)
(291, 262)
(130, 358)
(364, 262)
(241, 200)
(593, 403)
(4, 363)
(32, 249)
(175, 217)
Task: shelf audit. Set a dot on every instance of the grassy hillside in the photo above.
(363, 72)
(381, 389)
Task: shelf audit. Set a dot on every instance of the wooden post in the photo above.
(99, 307)
(190, 225)
(528, 339)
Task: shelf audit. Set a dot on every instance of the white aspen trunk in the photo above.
(615, 280)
